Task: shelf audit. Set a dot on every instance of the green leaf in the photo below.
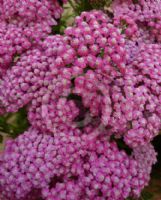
(146, 195)
(14, 124)
(1, 138)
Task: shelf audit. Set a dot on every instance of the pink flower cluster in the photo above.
(41, 77)
(71, 166)
(90, 61)
(140, 15)
(23, 25)
(98, 82)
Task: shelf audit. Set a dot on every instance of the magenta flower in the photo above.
(70, 165)
(126, 101)
(23, 26)
(85, 91)
(144, 15)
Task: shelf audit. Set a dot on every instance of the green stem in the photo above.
(72, 4)
(108, 3)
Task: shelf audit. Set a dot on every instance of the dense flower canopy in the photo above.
(72, 166)
(85, 91)
(23, 25)
(123, 91)
(140, 15)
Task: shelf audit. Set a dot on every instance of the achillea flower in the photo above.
(90, 61)
(33, 73)
(98, 42)
(144, 14)
(41, 78)
(70, 165)
(100, 79)
(24, 25)
(31, 10)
